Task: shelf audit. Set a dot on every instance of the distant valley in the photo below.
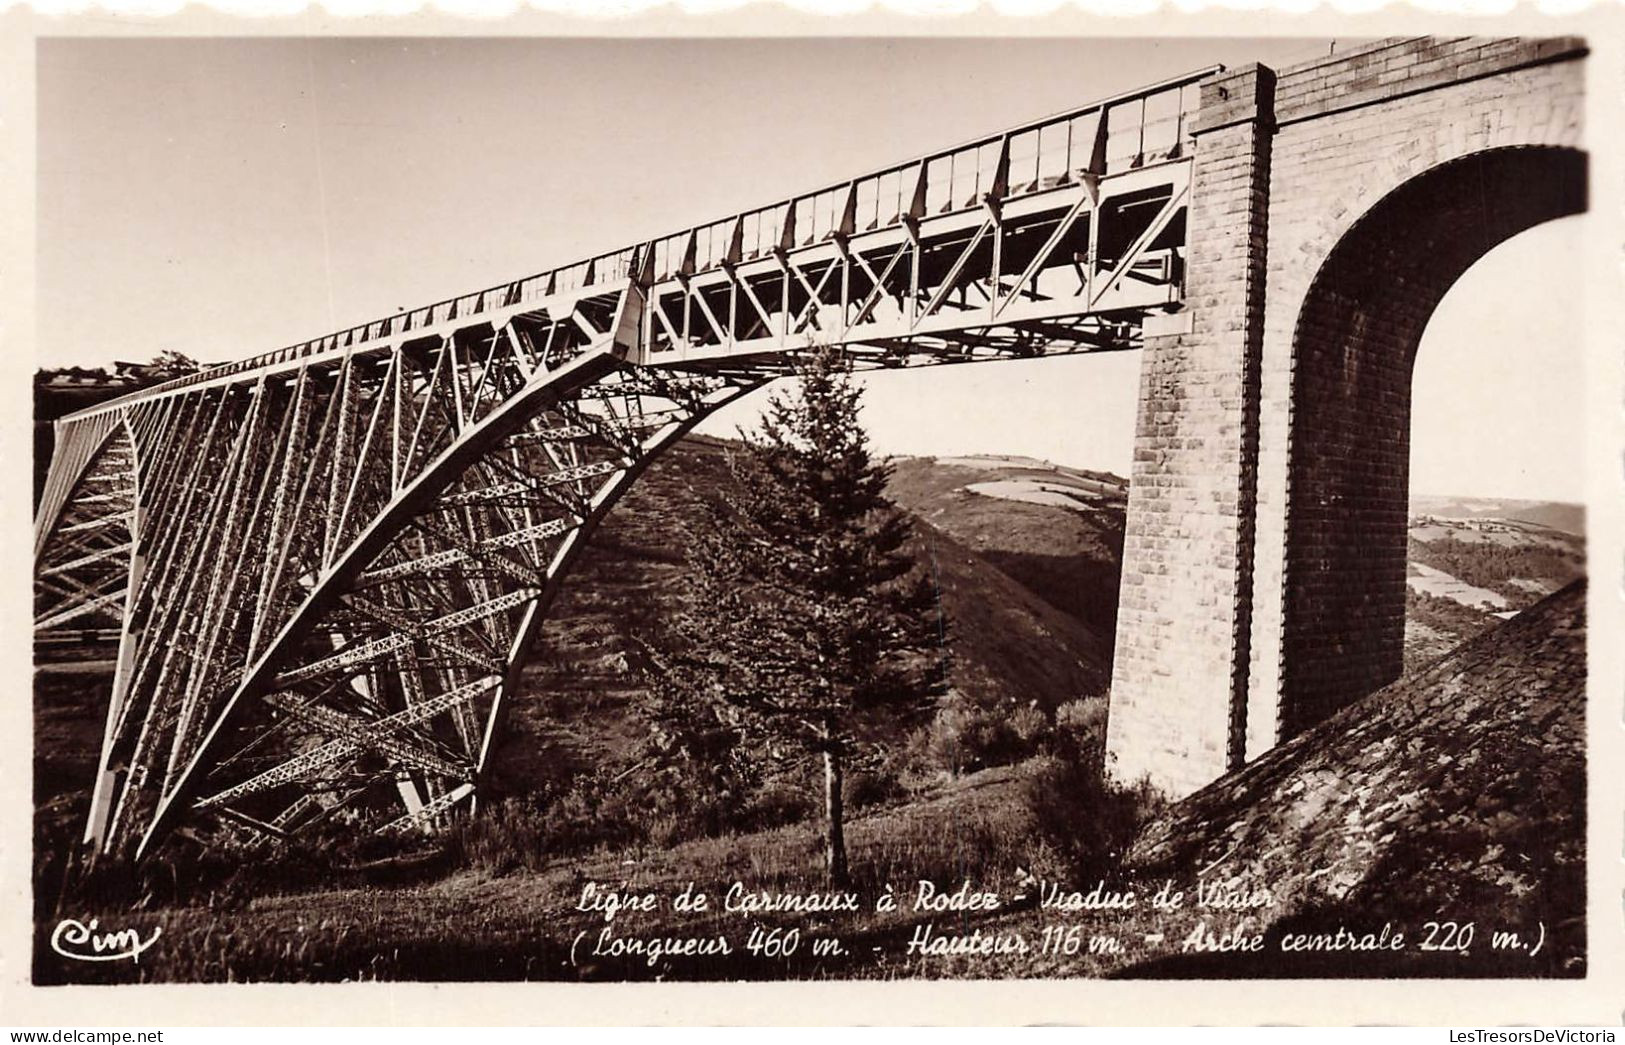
(1027, 557)
(1476, 562)
(1059, 531)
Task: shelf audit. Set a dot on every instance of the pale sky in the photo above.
(222, 198)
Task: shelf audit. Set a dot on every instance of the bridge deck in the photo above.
(325, 564)
(882, 258)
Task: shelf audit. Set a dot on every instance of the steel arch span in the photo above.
(324, 565)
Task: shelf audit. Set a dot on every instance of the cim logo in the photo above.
(84, 943)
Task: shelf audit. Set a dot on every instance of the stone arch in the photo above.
(1353, 347)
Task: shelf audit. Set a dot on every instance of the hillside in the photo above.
(1458, 793)
(1455, 796)
(584, 679)
(1434, 775)
(1469, 569)
(1553, 515)
(1026, 554)
(1057, 531)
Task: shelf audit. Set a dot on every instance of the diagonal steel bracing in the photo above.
(325, 566)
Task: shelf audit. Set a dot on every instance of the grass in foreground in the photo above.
(479, 925)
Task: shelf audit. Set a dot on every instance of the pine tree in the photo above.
(808, 629)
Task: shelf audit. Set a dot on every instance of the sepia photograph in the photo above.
(820, 508)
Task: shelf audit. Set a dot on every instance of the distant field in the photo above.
(1555, 515)
(1439, 584)
(1468, 571)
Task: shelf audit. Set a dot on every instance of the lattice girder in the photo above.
(321, 542)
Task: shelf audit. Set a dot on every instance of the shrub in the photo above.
(965, 736)
(504, 837)
(871, 787)
(1082, 720)
(224, 867)
(1030, 726)
(526, 832)
(777, 804)
(1086, 820)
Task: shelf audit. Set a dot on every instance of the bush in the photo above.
(526, 832)
(1081, 723)
(504, 837)
(225, 868)
(871, 787)
(777, 804)
(965, 736)
(1030, 726)
(1086, 820)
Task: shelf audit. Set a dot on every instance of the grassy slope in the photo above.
(474, 925)
(1458, 794)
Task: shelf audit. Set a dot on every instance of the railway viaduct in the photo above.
(322, 568)
(1334, 203)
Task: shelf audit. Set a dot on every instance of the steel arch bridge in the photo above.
(323, 566)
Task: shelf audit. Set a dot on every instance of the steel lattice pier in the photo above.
(323, 567)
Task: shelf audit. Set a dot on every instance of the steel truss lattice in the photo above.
(323, 567)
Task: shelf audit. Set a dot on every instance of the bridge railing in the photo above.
(1145, 126)
(1105, 137)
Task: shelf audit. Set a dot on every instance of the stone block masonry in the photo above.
(1333, 204)
(1195, 447)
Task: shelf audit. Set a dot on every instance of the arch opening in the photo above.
(1353, 353)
